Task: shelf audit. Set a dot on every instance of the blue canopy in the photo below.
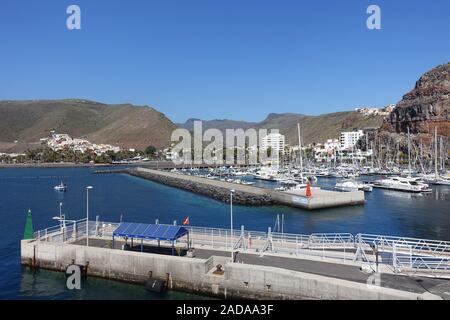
(150, 231)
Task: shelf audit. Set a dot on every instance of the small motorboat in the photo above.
(347, 186)
(366, 186)
(61, 187)
(352, 185)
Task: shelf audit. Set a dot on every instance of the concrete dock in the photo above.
(265, 265)
(250, 195)
(253, 277)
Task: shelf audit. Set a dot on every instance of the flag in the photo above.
(186, 221)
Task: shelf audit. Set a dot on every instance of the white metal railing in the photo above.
(400, 253)
(332, 240)
(405, 260)
(69, 230)
(422, 246)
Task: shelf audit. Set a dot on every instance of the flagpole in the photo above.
(231, 218)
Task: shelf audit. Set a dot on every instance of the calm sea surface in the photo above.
(386, 212)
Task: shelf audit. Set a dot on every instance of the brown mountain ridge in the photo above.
(124, 125)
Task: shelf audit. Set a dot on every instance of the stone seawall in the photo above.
(216, 191)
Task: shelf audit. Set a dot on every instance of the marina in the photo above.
(145, 201)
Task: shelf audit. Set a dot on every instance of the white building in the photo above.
(59, 142)
(349, 139)
(332, 144)
(275, 142)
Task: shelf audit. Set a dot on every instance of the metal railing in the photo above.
(70, 230)
(406, 260)
(401, 254)
(419, 246)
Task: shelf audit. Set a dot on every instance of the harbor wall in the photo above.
(195, 275)
(250, 195)
(219, 190)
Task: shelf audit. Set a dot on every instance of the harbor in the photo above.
(141, 200)
(238, 263)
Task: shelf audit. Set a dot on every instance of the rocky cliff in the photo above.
(426, 106)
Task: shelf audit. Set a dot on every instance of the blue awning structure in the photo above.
(144, 231)
(150, 231)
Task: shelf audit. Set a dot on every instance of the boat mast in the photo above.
(435, 153)
(387, 155)
(300, 149)
(371, 158)
(409, 154)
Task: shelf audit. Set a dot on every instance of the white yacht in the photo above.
(266, 173)
(61, 187)
(351, 185)
(288, 182)
(402, 184)
(441, 181)
(346, 185)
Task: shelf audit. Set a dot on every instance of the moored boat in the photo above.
(402, 184)
(61, 187)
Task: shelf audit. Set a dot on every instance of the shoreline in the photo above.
(63, 165)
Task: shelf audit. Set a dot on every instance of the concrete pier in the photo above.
(257, 278)
(250, 195)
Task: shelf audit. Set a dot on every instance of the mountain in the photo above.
(314, 128)
(320, 128)
(222, 125)
(426, 106)
(124, 125)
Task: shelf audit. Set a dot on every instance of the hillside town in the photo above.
(368, 111)
(344, 147)
(62, 141)
(62, 148)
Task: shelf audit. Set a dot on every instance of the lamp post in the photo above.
(61, 223)
(231, 218)
(87, 214)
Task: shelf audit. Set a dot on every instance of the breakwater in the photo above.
(219, 190)
(250, 195)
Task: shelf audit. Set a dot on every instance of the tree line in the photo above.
(47, 155)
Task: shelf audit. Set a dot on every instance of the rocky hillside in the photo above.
(426, 106)
(314, 128)
(23, 123)
(222, 125)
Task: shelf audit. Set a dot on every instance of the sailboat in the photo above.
(300, 178)
(408, 184)
(437, 179)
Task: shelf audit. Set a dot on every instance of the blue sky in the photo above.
(238, 59)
